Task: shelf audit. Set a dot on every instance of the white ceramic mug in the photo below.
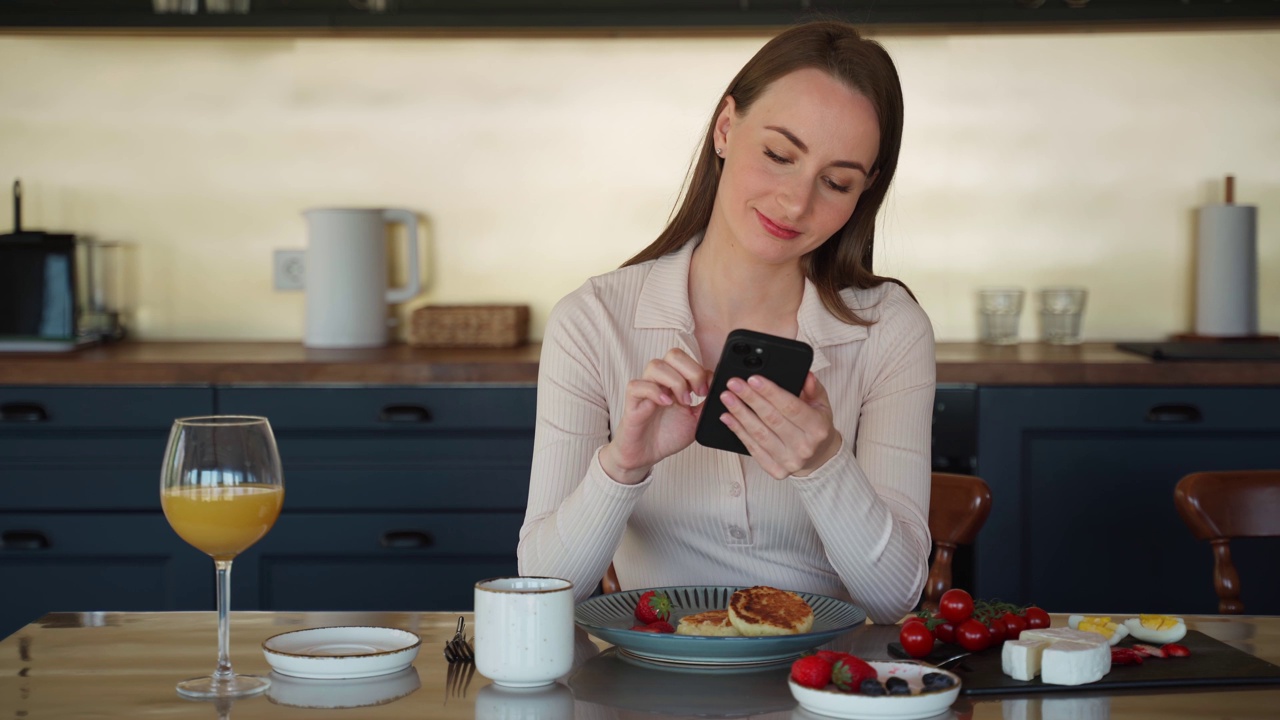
(524, 629)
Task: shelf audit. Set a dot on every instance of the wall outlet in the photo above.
(289, 269)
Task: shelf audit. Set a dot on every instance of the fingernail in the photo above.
(703, 389)
(729, 399)
(688, 399)
(755, 381)
(727, 419)
(734, 384)
(664, 399)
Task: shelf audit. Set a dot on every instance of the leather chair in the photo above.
(1219, 506)
(958, 508)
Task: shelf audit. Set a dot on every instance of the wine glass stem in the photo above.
(223, 673)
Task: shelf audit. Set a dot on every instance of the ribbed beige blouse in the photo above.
(857, 528)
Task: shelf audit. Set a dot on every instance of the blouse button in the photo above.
(736, 532)
(735, 489)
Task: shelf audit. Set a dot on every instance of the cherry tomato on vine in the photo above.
(945, 632)
(997, 629)
(1036, 618)
(916, 639)
(973, 635)
(955, 605)
(913, 619)
(1013, 625)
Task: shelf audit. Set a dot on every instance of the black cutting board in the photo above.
(1212, 662)
(1256, 352)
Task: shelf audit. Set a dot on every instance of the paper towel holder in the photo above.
(1229, 200)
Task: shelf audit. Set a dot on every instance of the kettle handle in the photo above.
(413, 284)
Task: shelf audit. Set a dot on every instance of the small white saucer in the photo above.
(332, 653)
(324, 694)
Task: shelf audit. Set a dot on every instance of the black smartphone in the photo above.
(746, 352)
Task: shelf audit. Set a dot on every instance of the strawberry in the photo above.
(1125, 656)
(811, 671)
(832, 656)
(1176, 650)
(657, 626)
(1149, 650)
(849, 672)
(653, 605)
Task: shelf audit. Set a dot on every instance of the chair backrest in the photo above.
(958, 508)
(1221, 505)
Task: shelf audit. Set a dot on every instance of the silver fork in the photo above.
(457, 649)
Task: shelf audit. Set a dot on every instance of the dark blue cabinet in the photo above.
(80, 522)
(396, 498)
(1082, 484)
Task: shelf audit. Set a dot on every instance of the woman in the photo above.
(775, 235)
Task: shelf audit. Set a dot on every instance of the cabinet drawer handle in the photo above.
(1174, 414)
(23, 540)
(23, 412)
(406, 540)
(404, 414)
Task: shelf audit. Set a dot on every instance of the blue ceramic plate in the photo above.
(610, 617)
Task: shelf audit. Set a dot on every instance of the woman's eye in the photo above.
(776, 157)
(836, 186)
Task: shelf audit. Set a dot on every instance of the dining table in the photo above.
(126, 664)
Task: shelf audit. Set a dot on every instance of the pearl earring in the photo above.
(720, 152)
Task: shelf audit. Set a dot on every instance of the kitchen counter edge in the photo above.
(289, 363)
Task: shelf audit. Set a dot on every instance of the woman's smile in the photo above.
(777, 229)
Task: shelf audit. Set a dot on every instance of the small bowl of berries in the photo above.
(844, 686)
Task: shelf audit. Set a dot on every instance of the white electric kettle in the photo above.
(347, 275)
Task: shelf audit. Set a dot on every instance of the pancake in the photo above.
(762, 611)
(714, 623)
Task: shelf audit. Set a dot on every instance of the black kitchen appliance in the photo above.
(44, 288)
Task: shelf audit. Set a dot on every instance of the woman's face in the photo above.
(794, 165)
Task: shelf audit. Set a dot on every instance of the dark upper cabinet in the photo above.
(613, 14)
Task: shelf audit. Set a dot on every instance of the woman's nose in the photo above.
(794, 195)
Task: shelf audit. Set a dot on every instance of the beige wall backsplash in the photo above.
(1028, 160)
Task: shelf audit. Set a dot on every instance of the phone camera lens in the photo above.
(753, 361)
(741, 348)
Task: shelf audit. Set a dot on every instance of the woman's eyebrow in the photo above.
(852, 165)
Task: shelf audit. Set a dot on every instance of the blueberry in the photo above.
(937, 681)
(897, 686)
(871, 686)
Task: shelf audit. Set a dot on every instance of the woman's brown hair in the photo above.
(836, 48)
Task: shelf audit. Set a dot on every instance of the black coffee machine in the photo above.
(45, 289)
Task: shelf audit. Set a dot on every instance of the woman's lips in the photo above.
(776, 230)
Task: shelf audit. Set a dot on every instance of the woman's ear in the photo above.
(724, 121)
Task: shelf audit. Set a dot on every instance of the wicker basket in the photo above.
(465, 326)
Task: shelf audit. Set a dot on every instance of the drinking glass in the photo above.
(999, 310)
(1061, 310)
(221, 489)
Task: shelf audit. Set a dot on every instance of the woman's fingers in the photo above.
(680, 374)
(789, 430)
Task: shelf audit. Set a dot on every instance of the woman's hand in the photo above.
(787, 435)
(658, 417)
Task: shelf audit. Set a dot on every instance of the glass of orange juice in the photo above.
(221, 488)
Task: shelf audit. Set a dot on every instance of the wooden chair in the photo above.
(958, 508)
(1219, 506)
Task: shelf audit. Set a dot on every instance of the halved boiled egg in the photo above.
(1113, 632)
(1157, 628)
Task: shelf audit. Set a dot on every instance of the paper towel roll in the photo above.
(1227, 271)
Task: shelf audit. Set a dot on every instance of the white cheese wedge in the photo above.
(1063, 656)
(1020, 659)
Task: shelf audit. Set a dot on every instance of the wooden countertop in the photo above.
(166, 363)
(125, 665)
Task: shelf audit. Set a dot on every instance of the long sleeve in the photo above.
(870, 506)
(576, 513)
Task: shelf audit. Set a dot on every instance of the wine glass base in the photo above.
(236, 686)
